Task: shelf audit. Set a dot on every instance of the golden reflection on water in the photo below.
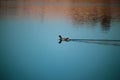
(63, 9)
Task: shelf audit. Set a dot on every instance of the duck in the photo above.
(63, 39)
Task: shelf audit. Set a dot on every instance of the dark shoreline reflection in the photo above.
(106, 19)
(92, 15)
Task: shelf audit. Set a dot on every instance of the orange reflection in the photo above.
(72, 10)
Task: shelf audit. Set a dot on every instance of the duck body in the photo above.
(63, 39)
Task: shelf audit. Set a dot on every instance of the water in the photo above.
(98, 41)
(29, 40)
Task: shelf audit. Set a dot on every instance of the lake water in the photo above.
(29, 39)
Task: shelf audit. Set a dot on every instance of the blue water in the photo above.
(30, 50)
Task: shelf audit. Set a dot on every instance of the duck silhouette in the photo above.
(63, 39)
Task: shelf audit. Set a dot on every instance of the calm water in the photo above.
(29, 46)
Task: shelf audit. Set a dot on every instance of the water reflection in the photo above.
(83, 15)
(106, 16)
(66, 9)
(92, 15)
(8, 10)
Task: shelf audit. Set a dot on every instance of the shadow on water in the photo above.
(98, 41)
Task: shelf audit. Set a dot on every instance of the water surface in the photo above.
(29, 40)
